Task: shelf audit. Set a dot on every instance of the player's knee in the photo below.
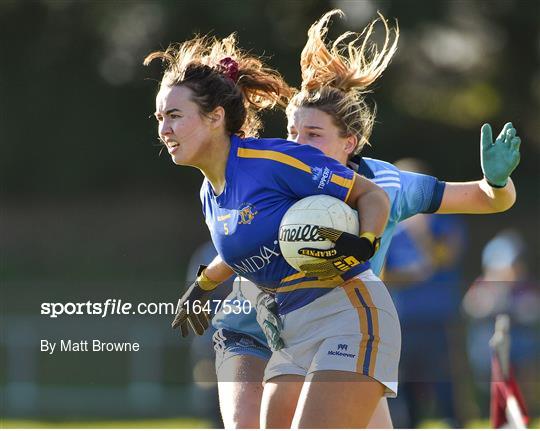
(241, 405)
(241, 419)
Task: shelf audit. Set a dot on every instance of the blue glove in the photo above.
(499, 158)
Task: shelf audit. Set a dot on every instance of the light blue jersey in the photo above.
(409, 193)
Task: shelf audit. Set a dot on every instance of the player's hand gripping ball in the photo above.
(319, 235)
(348, 251)
(499, 158)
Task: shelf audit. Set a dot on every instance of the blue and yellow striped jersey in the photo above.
(264, 178)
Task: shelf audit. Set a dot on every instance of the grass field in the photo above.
(147, 423)
(187, 423)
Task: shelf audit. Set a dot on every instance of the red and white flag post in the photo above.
(508, 408)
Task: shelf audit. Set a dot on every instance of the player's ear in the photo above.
(217, 116)
(350, 144)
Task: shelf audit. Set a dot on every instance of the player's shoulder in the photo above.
(263, 153)
(375, 167)
(382, 173)
(276, 145)
(376, 170)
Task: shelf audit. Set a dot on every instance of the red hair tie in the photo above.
(229, 68)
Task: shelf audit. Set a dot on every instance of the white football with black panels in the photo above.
(298, 228)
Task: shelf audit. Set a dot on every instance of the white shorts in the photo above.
(354, 327)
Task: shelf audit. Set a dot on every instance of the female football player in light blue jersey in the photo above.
(317, 117)
(208, 91)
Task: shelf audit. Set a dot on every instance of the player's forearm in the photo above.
(373, 210)
(218, 270)
(499, 199)
(477, 197)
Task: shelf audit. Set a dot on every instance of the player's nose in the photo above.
(165, 129)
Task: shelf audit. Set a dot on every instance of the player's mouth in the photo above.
(172, 147)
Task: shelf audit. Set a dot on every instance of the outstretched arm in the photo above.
(495, 192)
(476, 197)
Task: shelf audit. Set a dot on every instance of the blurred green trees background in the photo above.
(80, 166)
(90, 209)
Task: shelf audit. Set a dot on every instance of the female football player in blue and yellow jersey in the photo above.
(320, 115)
(208, 91)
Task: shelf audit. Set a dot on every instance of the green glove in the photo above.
(269, 321)
(499, 158)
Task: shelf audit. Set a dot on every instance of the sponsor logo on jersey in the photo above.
(316, 173)
(320, 175)
(223, 217)
(246, 213)
(307, 232)
(259, 261)
(342, 346)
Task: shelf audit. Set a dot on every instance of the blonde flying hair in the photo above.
(336, 77)
(221, 74)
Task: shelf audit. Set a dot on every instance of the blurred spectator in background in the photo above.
(504, 287)
(204, 392)
(424, 273)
